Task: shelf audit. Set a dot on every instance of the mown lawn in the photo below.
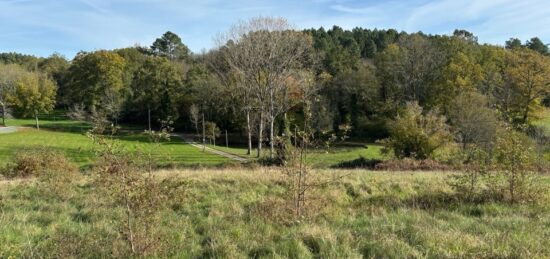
(69, 137)
(324, 158)
(231, 214)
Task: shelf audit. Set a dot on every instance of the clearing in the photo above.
(230, 214)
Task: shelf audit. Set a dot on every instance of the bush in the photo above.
(415, 135)
(38, 163)
(515, 162)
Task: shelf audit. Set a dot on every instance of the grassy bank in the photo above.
(223, 214)
(69, 137)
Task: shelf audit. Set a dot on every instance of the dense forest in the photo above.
(376, 83)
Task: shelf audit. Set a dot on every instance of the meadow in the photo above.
(229, 213)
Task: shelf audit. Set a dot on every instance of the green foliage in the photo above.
(95, 79)
(413, 134)
(212, 131)
(528, 74)
(157, 86)
(515, 159)
(170, 46)
(33, 94)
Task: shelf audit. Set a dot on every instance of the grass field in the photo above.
(221, 214)
(69, 137)
(544, 120)
(324, 158)
(59, 133)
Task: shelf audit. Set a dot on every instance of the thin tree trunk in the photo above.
(260, 133)
(226, 140)
(271, 135)
(248, 131)
(149, 116)
(3, 115)
(214, 135)
(36, 119)
(203, 133)
(271, 123)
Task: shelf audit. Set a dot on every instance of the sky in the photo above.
(42, 27)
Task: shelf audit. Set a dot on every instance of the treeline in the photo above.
(264, 76)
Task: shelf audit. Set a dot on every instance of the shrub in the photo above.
(38, 163)
(415, 135)
(123, 183)
(515, 162)
(470, 183)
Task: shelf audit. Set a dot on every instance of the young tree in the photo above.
(9, 75)
(194, 114)
(413, 134)
(212, 131)
(34, 94)
(473, 121)
(515, 158)
(265, 52)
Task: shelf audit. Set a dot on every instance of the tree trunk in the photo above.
(214, 135)
(3, 115)
(149, 116)
(260, 133)
(36, 119)
(249, 133)
(203, 133)
(271, 123)
(226, 140)
(271, 135)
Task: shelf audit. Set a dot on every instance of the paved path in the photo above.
(4, 130)
(189, 140)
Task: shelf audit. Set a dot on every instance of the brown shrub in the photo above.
(38, 162)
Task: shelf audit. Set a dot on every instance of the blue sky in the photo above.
(41, 27)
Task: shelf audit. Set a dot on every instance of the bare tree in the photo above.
(265, 53)
(238, 91)
(195, 116)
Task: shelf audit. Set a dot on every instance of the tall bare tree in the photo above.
(265, 53)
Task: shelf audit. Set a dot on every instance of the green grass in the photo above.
(69, 137)
(223, 214)
(544, 120)
(324, 158)
(340, 154)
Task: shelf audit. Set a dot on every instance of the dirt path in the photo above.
(189, 140)
(4, 130)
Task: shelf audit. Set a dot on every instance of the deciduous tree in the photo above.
(34, 93)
